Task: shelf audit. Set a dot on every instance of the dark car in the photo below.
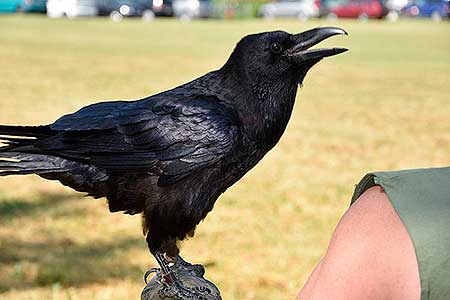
(35, 6)
(362, 9)
(117, 9)
(162, 7)
(435, 9)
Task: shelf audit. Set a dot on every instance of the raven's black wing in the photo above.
(166, 137)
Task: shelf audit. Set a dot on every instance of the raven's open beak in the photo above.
(303, 41)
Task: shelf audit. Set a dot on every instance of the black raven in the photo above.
(171, 155)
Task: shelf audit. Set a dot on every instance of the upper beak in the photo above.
(303, 41)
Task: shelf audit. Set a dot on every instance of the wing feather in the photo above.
(168, 138)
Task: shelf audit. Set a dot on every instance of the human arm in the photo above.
(370, 256)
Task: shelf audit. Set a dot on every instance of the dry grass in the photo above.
(384, 105)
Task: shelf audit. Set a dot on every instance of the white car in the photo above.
(302, 9)
(189, 9)
(71, 8)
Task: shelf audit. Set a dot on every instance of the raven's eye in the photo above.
(276, 48)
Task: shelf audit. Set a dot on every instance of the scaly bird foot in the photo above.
(197, 269)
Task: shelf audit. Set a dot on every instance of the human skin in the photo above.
(371, 256)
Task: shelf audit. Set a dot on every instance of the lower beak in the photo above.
(303, 41)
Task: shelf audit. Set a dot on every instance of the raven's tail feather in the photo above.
(26, 131)
(17, 163)
(13, 137)
(21, 155)
(80, 177)
(14, 157)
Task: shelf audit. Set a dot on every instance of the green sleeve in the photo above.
(421, 198)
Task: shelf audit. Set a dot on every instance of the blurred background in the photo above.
(437, 10)
(383, 105)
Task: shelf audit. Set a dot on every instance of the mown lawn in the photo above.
(384, 105)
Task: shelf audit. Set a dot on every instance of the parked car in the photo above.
(189, 9)
(162, 8)
(10, 6)
(117, 9)
(302, 9)
(396, 5)
(38, 6)
(435, 9)
(362, 9)
(71, 8)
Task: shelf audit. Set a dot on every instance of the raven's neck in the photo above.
(264, 107)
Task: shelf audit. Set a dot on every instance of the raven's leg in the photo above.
(166, 254)
(174, 288)
(167, 275)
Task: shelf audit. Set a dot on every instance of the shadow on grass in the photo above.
(62, 261)
(15, 207)
(50, 259)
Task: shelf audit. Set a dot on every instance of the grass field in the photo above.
(383, 105)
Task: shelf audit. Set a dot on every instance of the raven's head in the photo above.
(263, 74)
(277, 56)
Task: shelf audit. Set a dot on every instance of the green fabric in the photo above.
(421, 198)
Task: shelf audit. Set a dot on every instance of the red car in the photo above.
(362, 9)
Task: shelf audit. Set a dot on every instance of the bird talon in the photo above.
(152, 270)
